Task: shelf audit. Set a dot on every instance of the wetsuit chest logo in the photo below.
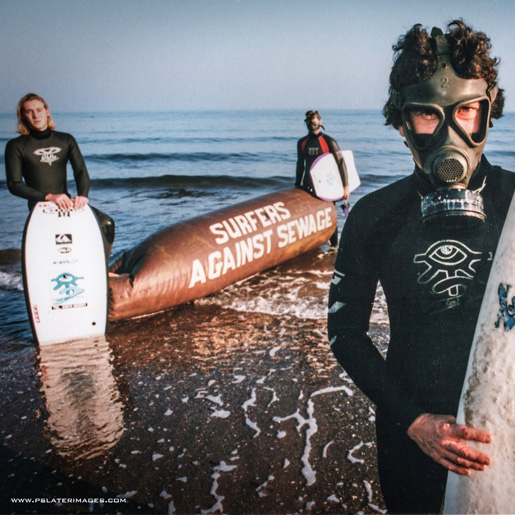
(449, 266)
(48, 155)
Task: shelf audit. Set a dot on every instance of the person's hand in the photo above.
(62, 200)
(442, 439)
(80, 202)
(346, 192)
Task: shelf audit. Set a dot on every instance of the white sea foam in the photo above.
(293, 295)
(274, 351)
(251, 401)
(326, 447)
(368, 488)
(262, 487)
(220, 413)
(11, 281)
(376, 508)
(216, 400)
(332, 389)
(350, 456)
(307, 470)
(253, 425)
(222, 467)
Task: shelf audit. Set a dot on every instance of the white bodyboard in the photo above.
(326, 176)
(487, 400)
(65, 274)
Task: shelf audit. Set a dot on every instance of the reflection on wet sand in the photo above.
(85, 416)
(223, 412)
(241, 413)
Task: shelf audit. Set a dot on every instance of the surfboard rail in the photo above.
(487, 400)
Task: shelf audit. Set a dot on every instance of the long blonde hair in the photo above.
(23, 127)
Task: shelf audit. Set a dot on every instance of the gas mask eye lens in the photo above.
(472, 119)
(423, 122)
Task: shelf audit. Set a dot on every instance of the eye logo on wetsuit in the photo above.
(449, 265)
(48, 155)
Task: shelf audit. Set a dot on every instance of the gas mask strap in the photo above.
(442, 43)
(482, 187)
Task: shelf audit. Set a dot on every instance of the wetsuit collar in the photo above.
(41, 134)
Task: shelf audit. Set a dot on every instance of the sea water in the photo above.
(138, 417)
(152, 169)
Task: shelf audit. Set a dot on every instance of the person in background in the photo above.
(429, 239)
(36, 161)
(308, 149)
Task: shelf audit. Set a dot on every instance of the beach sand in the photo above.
(196, 410)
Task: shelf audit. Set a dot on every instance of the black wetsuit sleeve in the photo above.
(80, 172)
(351, 298)
(300, 164)
(14, 174)
(335, 150)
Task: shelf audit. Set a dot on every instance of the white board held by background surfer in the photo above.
(64, 274)
(326, 176)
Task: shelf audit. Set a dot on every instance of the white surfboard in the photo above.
(65, 274)
(488, 396)
(326, 176)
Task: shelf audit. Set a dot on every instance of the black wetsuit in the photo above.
(35, 165)
(433, 280)
(308, 149)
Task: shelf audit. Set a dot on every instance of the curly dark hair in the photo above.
(415, 60)
(311, 114)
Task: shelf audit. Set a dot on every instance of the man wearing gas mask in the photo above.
(429, 239)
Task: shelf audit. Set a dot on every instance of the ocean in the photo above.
(150, 170)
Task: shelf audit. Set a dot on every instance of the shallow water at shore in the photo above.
(197, 410)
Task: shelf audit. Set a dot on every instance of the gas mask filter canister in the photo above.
(445, 121)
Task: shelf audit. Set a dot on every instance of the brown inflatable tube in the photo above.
(192, 259)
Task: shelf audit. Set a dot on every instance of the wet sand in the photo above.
(196, 410)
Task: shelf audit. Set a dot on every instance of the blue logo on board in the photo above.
(506, 308)
(68, 288)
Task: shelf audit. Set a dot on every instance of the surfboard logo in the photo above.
(506, 308)
(449, 266)
(48, 155)
(67, 287)
(63, 239)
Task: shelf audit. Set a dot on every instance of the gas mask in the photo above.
(314, 122)
(445, 121)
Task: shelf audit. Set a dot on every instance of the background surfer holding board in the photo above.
(35, 163)
(429, 239)
(309, 148)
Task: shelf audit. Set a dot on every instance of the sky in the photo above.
(139, 55)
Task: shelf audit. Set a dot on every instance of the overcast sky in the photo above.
(84, 55)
